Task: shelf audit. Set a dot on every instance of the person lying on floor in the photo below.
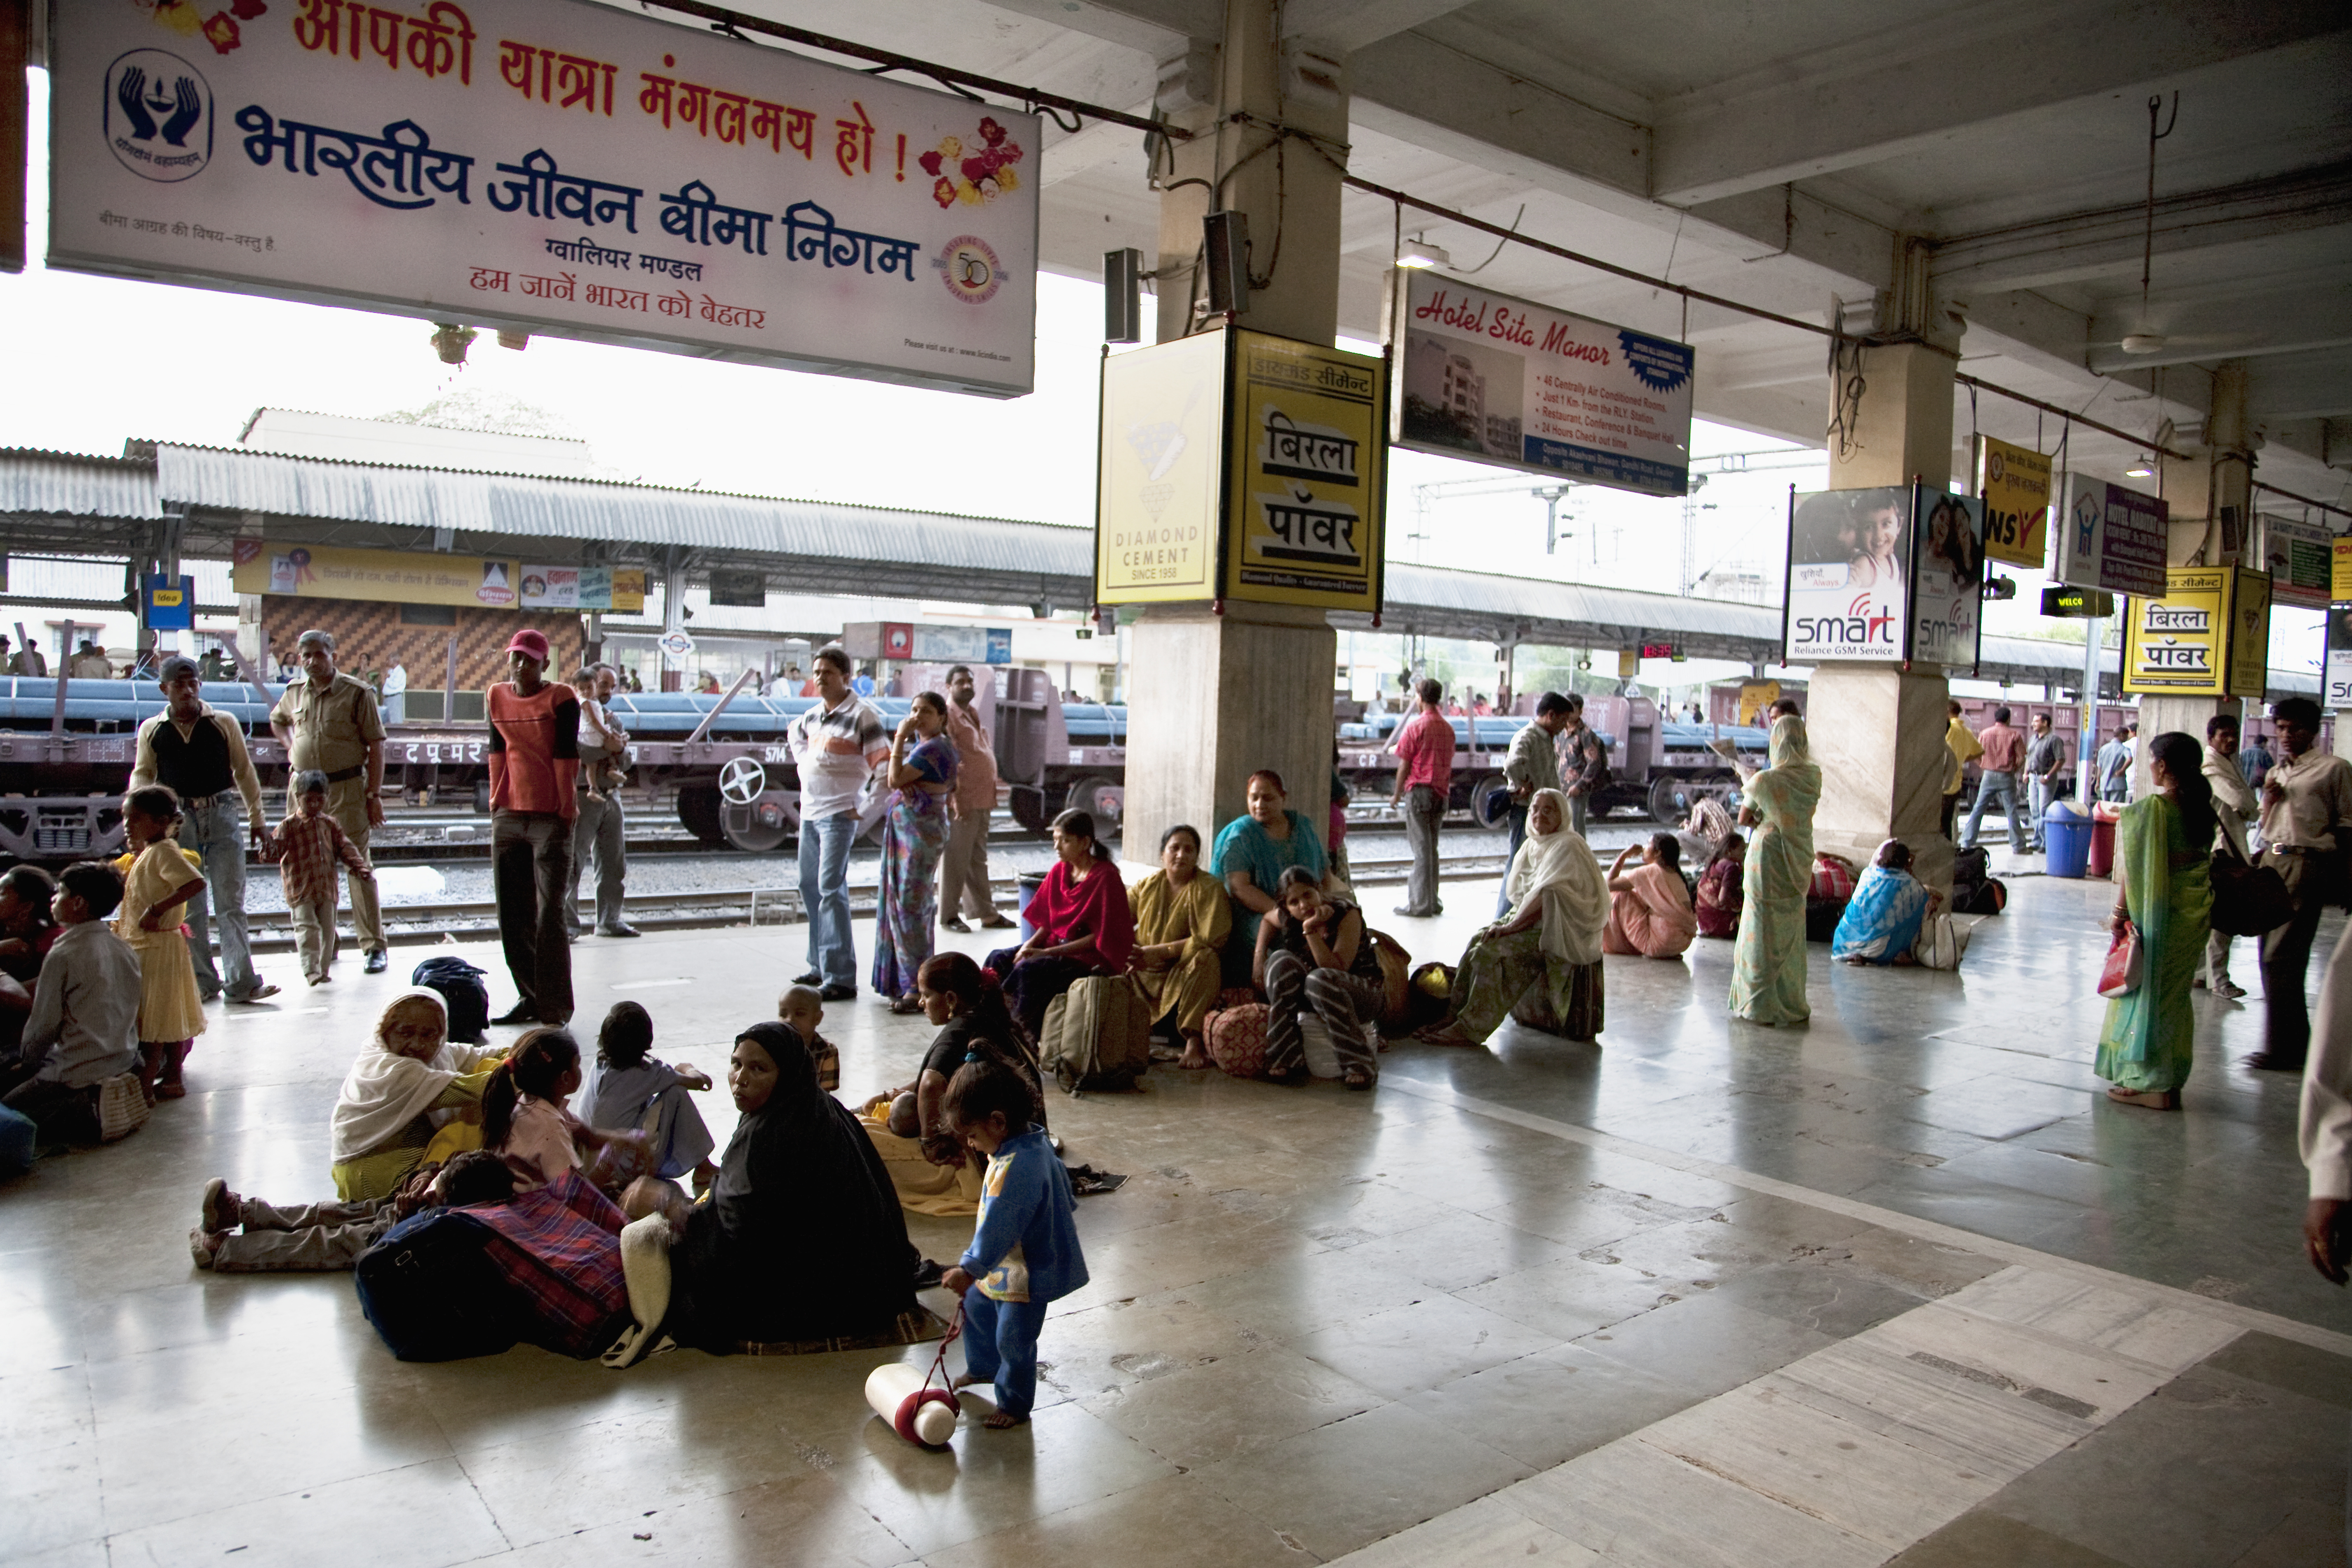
(800, 1238)
(323, 1237)
(628, 1090)
(526, 1119)
(406, 1099)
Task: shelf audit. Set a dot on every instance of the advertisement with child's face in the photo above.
(1947, 579)
(1849, 573)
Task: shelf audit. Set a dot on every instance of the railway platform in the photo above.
(1898, 1286)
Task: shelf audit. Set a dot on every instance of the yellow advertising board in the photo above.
(2015, 484)
(1755, 697)
(1307, 430)
(2209, 635)
(423, 577)
(1160, 472)
(2340, 574)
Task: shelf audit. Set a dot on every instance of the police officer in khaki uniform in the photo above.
(330, 723)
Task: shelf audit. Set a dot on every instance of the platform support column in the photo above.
(1877, 732)
(1213, 697)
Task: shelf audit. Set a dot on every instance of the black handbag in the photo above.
(2248, 899)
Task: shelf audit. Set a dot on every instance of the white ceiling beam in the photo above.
(1885, 95)
(1350, 24)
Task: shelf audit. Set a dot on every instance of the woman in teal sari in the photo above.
(2163, 844)
(914, 834)
(1768, 979)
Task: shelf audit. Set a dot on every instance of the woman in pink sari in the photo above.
(1649, 912)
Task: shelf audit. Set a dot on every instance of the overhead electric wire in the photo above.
(724, 19)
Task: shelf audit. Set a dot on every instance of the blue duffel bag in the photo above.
(433, 1293)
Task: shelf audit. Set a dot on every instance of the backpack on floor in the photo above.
(1097, 1035)
(1989, 896)
(462, 992)
(432, 1292)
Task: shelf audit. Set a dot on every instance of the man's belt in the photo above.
(339, 774)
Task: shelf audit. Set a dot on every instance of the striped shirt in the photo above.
(835, 751)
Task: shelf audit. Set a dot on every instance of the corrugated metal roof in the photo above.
(77, 484)
(527, 506)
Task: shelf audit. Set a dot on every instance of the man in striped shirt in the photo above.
(834, 745)
(534, 755)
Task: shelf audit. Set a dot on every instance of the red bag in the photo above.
(1237, 1039)
(1833, 878)
(2120, 975)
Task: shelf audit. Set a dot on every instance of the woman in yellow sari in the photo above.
(2163, 844)
(1181, 922)
(1767, 980)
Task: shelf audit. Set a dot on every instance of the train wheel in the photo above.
(1100, 799)
(1490, 801)
(741, 780)
(1028, 807)
(1670, 800)
(758, 829)
(697, 811)
(481, 797)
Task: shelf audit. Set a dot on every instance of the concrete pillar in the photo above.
(1878, 733)
(2211, 509)
(1214, 697)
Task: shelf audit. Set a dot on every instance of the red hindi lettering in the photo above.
(321, 25)
(853, 141)
(727, 115)
(694, 107)
(577, 76)
(654, 99)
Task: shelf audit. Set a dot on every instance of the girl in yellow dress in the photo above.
(171, 1009)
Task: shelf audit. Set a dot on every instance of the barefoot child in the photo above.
(307, 847)
(1025, 1249)
(309, 1238)
(171, 1009)
(629, 1088)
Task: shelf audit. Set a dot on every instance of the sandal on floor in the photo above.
(909, 1004)
(2146, 1100)
(1356, 1078)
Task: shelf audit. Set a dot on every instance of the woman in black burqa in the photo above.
(802, 1237)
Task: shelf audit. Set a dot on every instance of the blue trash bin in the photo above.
(2066, 833)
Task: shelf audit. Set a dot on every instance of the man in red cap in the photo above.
(534, 755)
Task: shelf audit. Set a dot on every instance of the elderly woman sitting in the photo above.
(1084, 924)
(1881, 921)
(1650, 913)
(403, 1090)
(1181, 922)
(1543, 960)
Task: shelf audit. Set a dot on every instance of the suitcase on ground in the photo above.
(1237, 1037)
(431, 1292)
(1097, 1035)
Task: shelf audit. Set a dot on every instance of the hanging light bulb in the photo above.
(1417, 253)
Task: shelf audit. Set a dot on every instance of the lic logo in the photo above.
(969, 269)
(157, 115)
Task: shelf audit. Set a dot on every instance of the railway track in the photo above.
(422, 924)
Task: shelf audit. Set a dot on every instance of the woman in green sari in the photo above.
(1768, 978)
(2163, 844)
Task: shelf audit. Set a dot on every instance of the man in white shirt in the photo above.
(835, 745)
(2326, 1122)
(2306, 814)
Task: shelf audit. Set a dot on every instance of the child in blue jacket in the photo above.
(1025, 1249)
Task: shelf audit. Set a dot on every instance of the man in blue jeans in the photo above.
(835, 745)
(2003, 760)
(200, 751)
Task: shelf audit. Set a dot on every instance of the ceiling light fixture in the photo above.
(2139, 471)
(1417, 253)
(2143, 343)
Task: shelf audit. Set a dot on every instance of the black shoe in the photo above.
(522, 1013)
(2273, 1061)
(839, 993)
(378, 960)
(619, 928)
(812, 978)
(928, 1273)
(955, 923)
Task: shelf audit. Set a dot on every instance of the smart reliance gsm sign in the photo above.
(557, 166)
(1509, 382)
(1892, 576)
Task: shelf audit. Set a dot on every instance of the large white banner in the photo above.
(1502, 380)
(1849, 576)
(552, 165)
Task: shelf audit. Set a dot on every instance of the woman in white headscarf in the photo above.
(405, 1087)
(1542, 962)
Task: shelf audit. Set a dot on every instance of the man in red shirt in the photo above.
(534, 756)
(1424, 779)
(2003, 758)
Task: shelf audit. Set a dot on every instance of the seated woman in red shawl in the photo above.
(1082, 920)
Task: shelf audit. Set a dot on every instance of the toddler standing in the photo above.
(1025, 1249)
(307, 847)
(171, 1008)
